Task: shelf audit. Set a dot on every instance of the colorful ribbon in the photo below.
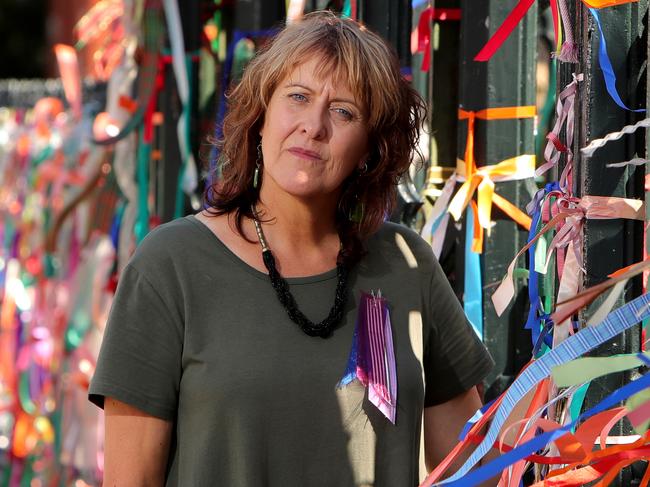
(565, 115)
(504, 30)
(435, 226)
(68, 63)
(515, 16)
(606, 64)
(188, 177)
(596, 144)
(473, 295)
(574, 346)
(587, 369)
(482, 179)
(589, 207)
(372, 357)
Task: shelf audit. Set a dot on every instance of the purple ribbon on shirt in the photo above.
(372, 358)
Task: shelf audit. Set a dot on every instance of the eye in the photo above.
(299, 97)
(343, 113)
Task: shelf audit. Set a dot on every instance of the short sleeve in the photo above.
(455, 359)
(140, 358)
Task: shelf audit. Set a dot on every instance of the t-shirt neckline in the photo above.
(330, 274)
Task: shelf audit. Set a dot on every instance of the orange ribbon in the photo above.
(482, 179)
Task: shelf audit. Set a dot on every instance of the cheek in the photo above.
(353, 151)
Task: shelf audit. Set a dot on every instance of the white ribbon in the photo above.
(172, 15)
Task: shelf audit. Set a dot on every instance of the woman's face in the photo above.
(314, 135)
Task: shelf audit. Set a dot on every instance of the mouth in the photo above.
(305, 154)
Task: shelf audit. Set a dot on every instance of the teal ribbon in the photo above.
(142, 175)
(347, 9)
(577, 401)
(473, 295)
(187, 111)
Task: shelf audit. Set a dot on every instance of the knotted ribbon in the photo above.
(482, 179)
(588, 207)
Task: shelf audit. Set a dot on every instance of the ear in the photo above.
(363, 164)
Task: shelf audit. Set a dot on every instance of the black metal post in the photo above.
(254, 15)
(611, 244)
(507, 80)
(392, 20)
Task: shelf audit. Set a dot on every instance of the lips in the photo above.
(305, 154)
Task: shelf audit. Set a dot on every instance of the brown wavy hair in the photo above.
(362, 60)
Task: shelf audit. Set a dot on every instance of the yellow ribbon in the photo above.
(481, 180)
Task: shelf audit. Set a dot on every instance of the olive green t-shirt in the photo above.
(198, 337)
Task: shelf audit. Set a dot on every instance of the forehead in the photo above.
(323, 72)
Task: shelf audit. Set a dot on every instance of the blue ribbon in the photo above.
(436, 223)
(606, 67)
(116, 225)
(473, 296)
(496, 466)
(571, 348)
(351, 368)
(477, 415)
(545, 335)
(533, 322)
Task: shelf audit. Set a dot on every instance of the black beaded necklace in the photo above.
(324, 328)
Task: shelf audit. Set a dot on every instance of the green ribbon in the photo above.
(589, 368)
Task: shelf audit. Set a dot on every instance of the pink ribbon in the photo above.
(572, 214)
(565, 116)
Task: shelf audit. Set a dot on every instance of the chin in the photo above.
(302, 187)
(306, 191)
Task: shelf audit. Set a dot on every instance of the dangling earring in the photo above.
(258, 165)
(356, 213)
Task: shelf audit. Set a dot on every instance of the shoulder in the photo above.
(397, 241)
(167, 244)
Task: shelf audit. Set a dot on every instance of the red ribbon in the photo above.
(424, 30)
(504, 30)
(556, 19)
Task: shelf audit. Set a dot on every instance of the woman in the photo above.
(212, 373)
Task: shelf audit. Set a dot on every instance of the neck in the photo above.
(298, 223)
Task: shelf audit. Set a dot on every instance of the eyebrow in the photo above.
(346, 100)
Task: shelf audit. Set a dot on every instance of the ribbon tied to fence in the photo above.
(481, 180)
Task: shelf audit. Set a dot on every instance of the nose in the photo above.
(315, 122)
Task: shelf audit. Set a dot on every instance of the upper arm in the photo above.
(454, 359)
(136, 446)
(443, 423)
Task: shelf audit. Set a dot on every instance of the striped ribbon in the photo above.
(372, 358)
(496, 466)
(574, 346)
